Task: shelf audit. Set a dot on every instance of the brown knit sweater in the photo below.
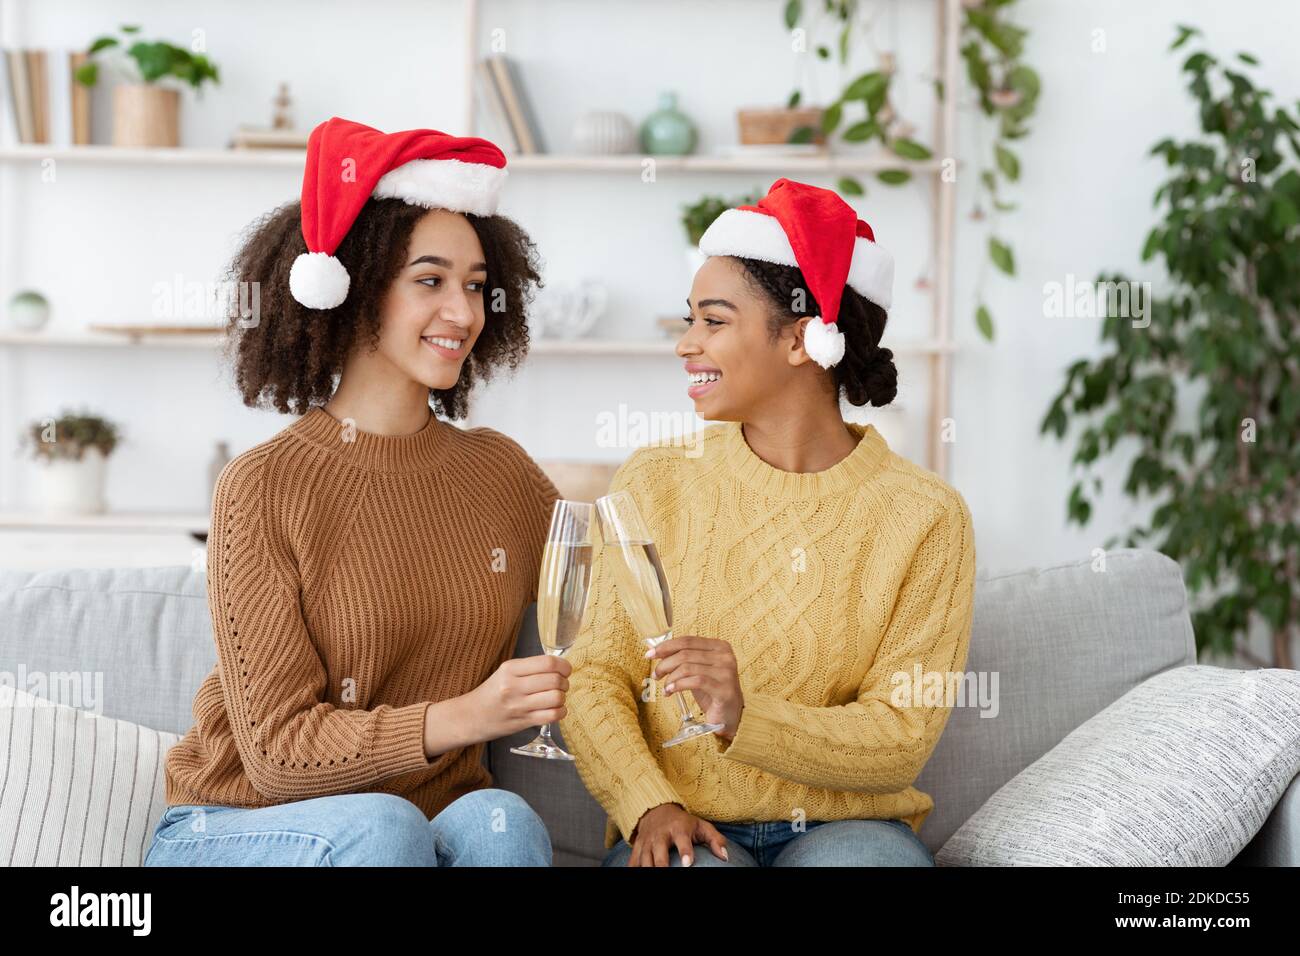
(353, 578)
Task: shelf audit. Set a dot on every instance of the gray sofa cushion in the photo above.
(146, 631)
(575, 821)
(1182, 770)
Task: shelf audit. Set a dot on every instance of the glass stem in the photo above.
(546, 728)
(681, 694)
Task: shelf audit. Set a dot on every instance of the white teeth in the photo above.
(452, 344)
(700, 378)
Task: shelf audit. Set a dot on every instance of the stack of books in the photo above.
(47, 104)
(261, 137)
(502, 90)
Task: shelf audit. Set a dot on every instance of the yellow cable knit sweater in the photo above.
(832, 587)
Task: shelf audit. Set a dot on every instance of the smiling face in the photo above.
(734, 368)
(433, 312)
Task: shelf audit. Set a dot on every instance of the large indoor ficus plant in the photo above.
(1225, 335)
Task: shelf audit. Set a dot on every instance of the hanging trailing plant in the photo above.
(877, 119)
(1007, 90)
(1228, 331)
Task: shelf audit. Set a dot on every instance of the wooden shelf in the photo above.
(161, 156)
(546, 162)
(148, 521)
(82, 339)
(540, 347)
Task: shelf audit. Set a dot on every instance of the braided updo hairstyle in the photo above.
(867, 372)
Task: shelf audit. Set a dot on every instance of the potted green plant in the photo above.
(699, 215)
(146, 108)
(72, 451)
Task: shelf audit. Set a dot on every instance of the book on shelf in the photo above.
(260, 137)
(20, 99)
(489, 97)
(78, 99)
(516, 104)
(38, 86)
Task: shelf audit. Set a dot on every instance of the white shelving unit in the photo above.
(128, 521)
(937, 349)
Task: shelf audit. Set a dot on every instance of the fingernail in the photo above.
(669, 688)
(686, 861)
(650, 653)
(724, 852)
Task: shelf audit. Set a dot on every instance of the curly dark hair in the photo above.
(867, 372)
(291, 356)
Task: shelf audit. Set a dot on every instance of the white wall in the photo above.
(100, 240)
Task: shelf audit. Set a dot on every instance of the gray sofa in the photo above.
(1065, 640)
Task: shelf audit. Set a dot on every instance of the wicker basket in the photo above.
(774, 125)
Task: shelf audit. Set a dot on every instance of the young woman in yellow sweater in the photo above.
(369, 565)
(815, 575)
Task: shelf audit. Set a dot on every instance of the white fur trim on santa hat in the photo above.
(444, 184)
(318, 280)
(824, 342)
(756, 235)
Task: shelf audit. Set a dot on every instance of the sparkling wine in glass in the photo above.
(643, 589)
(562, 588)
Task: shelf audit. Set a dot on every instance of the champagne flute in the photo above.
(643, 588)
(562, 587)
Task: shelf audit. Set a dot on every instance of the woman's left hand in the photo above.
(707, 668)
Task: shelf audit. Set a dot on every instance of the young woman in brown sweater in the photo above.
(369, 565)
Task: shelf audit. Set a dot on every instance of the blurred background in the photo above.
(1003, 151)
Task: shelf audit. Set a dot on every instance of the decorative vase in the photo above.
(145, 114)
(568, 311)
(69, 486)
(603, 134)
(668, 131)
(28, 310)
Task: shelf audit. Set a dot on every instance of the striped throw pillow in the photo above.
(76, 789)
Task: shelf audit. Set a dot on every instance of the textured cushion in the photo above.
(76, 789)
(1182, 770)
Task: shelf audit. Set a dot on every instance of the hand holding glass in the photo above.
(642, 588)
(562, 587)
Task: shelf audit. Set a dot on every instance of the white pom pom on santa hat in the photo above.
(318, 280)
(824, 342)
(423, 167)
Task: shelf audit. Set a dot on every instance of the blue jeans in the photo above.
(487, 827)
(820, 843)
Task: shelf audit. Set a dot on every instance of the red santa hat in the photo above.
(817, 232)
(347, 163)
